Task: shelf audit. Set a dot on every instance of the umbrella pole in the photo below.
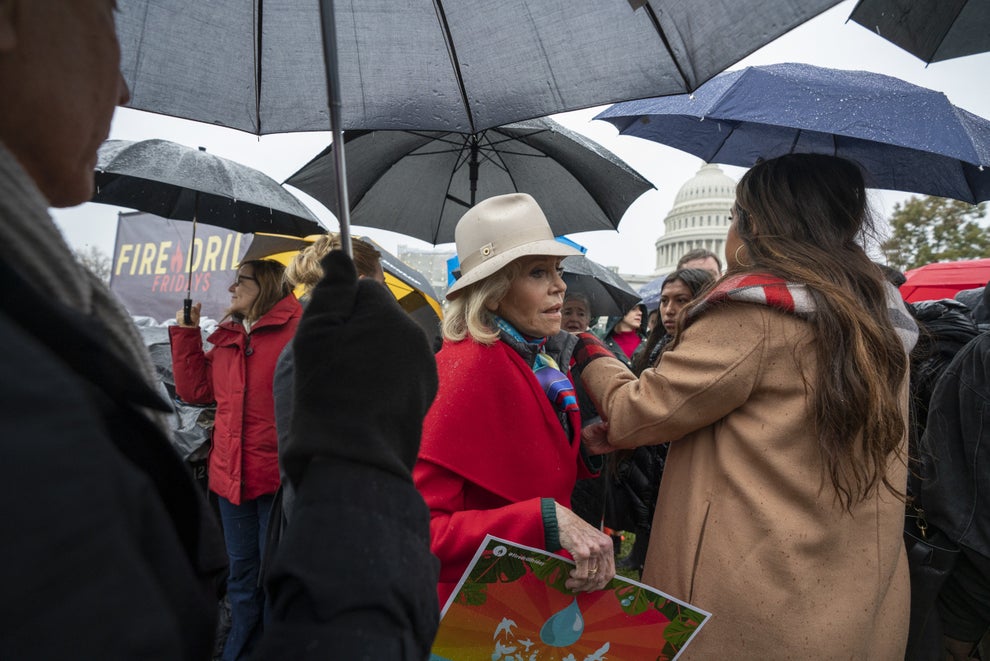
(187, 301)
(473, 168)
(329, 29)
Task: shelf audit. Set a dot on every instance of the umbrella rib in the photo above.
(259, 7)
(500, 164)
(450, 180)
(655, 20)
(449, 40)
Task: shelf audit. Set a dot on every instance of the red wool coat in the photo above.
(237, 374)
(492, 448)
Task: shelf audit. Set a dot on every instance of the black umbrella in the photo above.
(608, 294)
(309, 65)
(933, 30)
(419, 183)
(175, 181)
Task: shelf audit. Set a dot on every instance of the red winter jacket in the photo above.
(237, 374)
(492, 448)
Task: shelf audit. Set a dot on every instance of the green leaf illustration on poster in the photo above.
(680, 630)
(554, 574)
(472, 594)
(498, 569)
(635, 600)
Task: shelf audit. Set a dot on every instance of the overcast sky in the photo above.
(827, 40)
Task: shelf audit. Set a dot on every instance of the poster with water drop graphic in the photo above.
(511, 605)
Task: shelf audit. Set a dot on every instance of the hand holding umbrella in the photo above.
(188, 316)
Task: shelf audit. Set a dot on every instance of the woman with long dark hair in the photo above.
(784, 397)
(679, 288)
(634, 475)
(237, 373)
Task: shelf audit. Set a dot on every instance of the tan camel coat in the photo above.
(745, 527)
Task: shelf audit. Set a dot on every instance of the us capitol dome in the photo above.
(698, 219)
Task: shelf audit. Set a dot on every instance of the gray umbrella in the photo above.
(430, 64)
(419, 183)
(933, 30)
(608, 294)
(305, 65)
(174, 181)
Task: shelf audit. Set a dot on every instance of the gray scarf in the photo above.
(35, 248)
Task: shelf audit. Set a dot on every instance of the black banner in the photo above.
(150, 271)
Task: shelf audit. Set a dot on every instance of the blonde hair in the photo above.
(304, 270)
(468, 314)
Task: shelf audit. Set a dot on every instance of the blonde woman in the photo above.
(502, 443)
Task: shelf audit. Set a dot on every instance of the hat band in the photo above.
(495, 248)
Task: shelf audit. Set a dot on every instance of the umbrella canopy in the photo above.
(608, 294)
(904, 137)
(933, 30)
(944, 279)
(411, 288)
(429, 64)
(419, 183)
(174, 181)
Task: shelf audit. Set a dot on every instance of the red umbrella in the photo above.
(944, 279)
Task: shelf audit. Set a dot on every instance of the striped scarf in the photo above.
(793, 298)
(556, 385)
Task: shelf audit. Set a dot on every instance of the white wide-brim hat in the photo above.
(497, 231)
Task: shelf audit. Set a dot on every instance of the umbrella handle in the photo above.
(187, 311)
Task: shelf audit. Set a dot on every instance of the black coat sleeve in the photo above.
(354, 577)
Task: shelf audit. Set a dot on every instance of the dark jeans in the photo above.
(245, 528)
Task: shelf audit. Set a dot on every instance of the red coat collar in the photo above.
(492, 424)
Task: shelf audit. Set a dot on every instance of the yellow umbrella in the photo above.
(410, 287)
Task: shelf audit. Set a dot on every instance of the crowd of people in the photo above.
(757, 435)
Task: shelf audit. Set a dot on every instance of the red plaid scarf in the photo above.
(793, 298)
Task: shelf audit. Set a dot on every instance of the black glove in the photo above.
(365, 377)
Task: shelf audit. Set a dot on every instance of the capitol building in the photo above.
(698, 219)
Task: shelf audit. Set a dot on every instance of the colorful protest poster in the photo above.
(511, 605)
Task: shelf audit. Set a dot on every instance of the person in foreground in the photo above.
(784, 397)
(110, 550)
(502, 443)
(372, 595)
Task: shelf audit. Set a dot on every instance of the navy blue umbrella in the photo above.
(904, 137)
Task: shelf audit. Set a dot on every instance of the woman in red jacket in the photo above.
(501, 445)
(237, 374)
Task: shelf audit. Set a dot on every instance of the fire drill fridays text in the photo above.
(169, 266)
